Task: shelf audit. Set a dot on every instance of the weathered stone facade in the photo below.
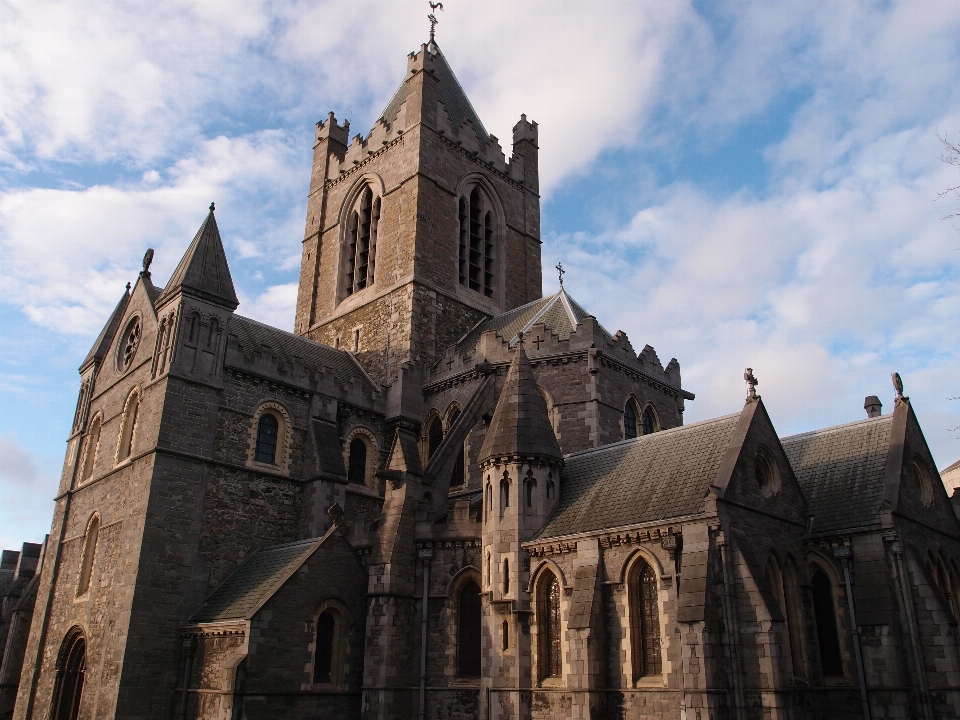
(448, 496)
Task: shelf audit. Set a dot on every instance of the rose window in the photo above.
(129, 344)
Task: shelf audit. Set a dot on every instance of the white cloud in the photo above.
(274, 306)
(26, 495)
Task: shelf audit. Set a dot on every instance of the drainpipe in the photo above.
(843, 554)
(903, 578)
(733, 625)
(425, 555)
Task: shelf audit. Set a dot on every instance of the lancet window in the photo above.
(357, 472)
(90, 539)
(267, 432)
(645, 622)
(548, 627)
(68, 687)
(128, 428)
(828, 640)
(468, 630)
(477, 248)
(630, 420)
(361, 242)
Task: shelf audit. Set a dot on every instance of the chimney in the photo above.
(873, 406)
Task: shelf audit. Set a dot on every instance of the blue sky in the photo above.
(736, 184)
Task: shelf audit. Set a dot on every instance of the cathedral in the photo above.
(448, 495)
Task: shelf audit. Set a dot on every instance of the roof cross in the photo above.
(752, 383)
(561, 271)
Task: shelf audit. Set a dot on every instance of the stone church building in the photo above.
(446, 495)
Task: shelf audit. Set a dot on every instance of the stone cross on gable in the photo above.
(752, 383)
(561, 271)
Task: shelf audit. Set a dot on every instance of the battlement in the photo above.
(331, 129)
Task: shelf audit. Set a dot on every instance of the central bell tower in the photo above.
(419, 230)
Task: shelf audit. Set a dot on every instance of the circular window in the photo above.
(923, 481)
(129, 343)
(768, 473)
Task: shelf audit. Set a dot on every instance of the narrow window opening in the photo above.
(646, 623)
(505, 637)
(90, 540)
(362, 243)
(464, 241)
(477, 243)
(468, 631)
(434, 436)
(323, 656)
(192, 335)
(630, 421)
(93, 445)
(549, 627)
(488, 255)
(488, 568)
(551, 490)
(504, 494)
(489, 499)
(649, 421)
(129, 427)
(357, 472)
(356, 340)
(212, 335)
(824, 614)
(267, 432)
(506, 576)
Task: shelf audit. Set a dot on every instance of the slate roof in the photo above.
(520, 425)
(286, 346)
(841, 471)
(204, 269)
(452, 96)
(102, 343)
(654, 477)
(254, 582)
(560, 312)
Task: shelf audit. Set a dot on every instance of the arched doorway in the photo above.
(69, 685)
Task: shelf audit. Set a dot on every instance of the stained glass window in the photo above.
(549, 611)
(646, 624)
(267, 430)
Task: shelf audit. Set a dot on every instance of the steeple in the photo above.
(203, 272)
(520, 428)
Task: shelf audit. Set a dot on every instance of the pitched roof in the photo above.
(520, 424)
(841, 471)
(452, 96)
(560, 312)
(286, 346)
(653, 477)
(102, 343)
(203, 268)
(254, 582)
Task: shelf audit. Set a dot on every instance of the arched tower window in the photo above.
(504, 493)
(630, 420)
(90, 540)
(361, 243)
(90, 452)
(476, 256)
(468, 630)
(267, 432)
(68, 687)
(649, 420)
(357, 472)
(548, 627)
(531, 485)
(129, 426)
(645, 622)
(330, 645)
(828, 640)
(506, 576)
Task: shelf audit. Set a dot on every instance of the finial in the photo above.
(212, 207)
(147, 259)
(898, 386)
(336, 514)
(520, 338)
(432, 47)
(561, 272)
(752, 383)
(128, 288)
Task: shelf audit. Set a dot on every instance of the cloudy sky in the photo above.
(746, 183)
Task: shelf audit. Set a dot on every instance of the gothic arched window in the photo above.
(90, 539)
(90, 452)
(68, 687)
(458, 476)
(434, 436)
(504, 494)
(129, 426)
(548, 627)
(361, 242)
(645, 622)
(630, 420)
(330, 645)
(649, 420)
(476, 255)
(828, 640)
(267, 432)
(468, 630)
(357, 472)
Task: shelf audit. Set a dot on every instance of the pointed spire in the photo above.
(203, 271)
(102, 344)
(520, 426)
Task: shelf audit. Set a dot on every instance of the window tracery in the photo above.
(129, 342)
(477, 246)
(645, 621)
(361, 242)
(649, 420)
(548, 629)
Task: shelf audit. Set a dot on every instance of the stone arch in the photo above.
(429, 438)
(646, 617)
(284, 442)
(829, 637)
(375, 183)
(489, 196)
(371, 459)
(128, 342)
(91, 446)
(546, 564)
(553, 412)
(921, 476)
(767, 471)
(88, 554)
(548, 626)
(458, 475)
(70, 668)
(639, 553)
(650, 413)
(465, 620)
(331, 635)
(128, 425)
(632, 411)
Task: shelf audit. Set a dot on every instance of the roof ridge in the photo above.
(292, 543)
(658, 434)
(835, 428)
(287, 332)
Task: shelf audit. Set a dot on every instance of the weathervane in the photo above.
(433, 23)
(898, 386)
(561, 272)
(752, 383)
(147, 259)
